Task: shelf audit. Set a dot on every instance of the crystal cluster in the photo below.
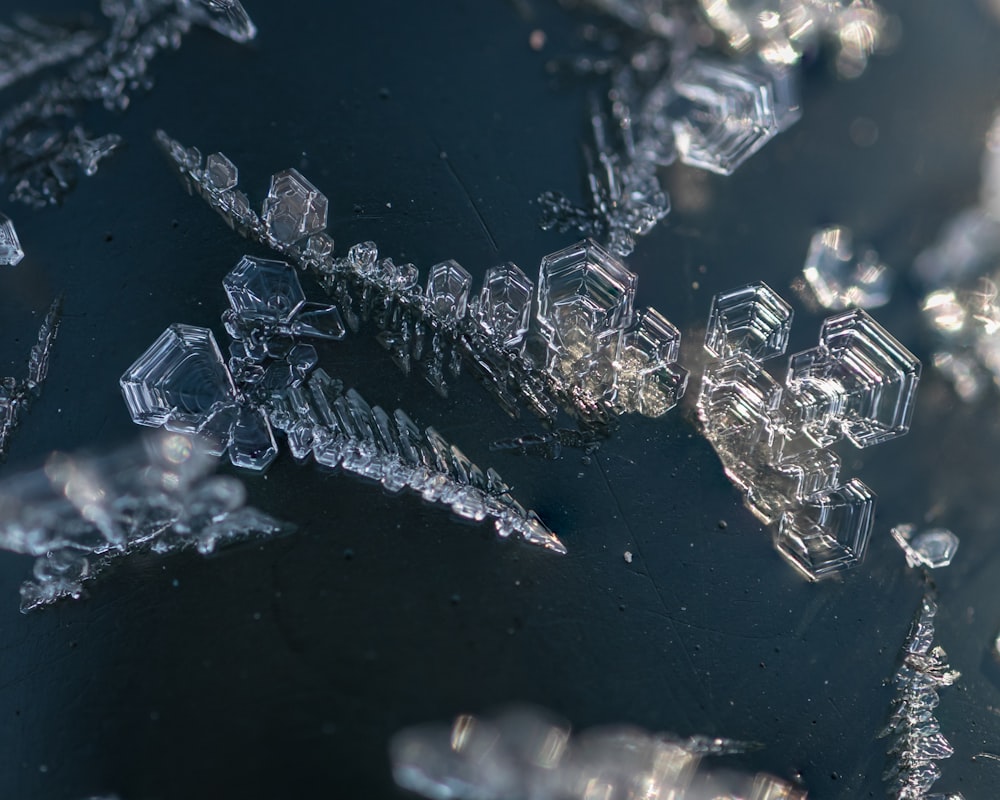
(597, 356)
(834, 279)
(271, 381)
(11, 251)
(526, 753)
(78, 513)
(917, 741)
(932, 548)
(781, 31)
(43, 148)
(17, 394)
(961, 271)
(858, 383)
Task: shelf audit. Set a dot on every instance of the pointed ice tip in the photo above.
(225, 17)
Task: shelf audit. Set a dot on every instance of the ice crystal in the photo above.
(272, 382)
(598, 357)
(530, 753)
(835, 280)
(11, 252)
(859, 383)
(932, 548)
(43, 148)
(917, 741)
(79, 513)
(17, 394)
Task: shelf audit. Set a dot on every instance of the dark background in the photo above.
(279, 669)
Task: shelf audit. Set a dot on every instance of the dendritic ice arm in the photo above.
(79, 513)
(859, 383)
(271, 381)
(585, 299)
(917, 742)
(16, 395)
(42, 146)
(529, 753)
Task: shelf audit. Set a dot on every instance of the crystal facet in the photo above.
(294, 208)
(259, 289)
(10, 246)
(448, 285)
(504, 305)
(753, 319)
(932, 548)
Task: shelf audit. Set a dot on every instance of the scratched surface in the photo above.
(280, 669)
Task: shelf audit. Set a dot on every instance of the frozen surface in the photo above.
(78, 513)
(530, 753)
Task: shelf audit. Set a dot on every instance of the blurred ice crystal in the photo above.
(837, 281)
(78, 513)
(723, 114)
(860, 382)
(10, 246)
(227, 17)
(592, 356)
(932, 548)
(917, 741)
(530, 753)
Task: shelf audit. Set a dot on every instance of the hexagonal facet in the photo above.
(294, 208)
(649, 379)
(220, 173)
(262, 290)
(252, 445)
(753, 319)
(10, 246)
(504, 303)
(828, 533)
(178, 381)
(584, 298)
(873, 377)
(723, 115)
(448, 285)
(932, 548)
(655, 336)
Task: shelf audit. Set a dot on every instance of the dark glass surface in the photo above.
(279, 669)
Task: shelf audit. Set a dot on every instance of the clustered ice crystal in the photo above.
(17, 394)
(271, 381)
(917, 741)
(43, 148)
(858, 383)
(526, 753)
(598, 358)
(78, 513)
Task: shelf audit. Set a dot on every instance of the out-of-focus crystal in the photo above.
(723, 115)
(932, 548)
(225, 17)
(753, 319)
(829, 532)
(504, 305)
(179, 381)
(873, 378)
(294, 208)
(838, 281)
(259, 289)
(11, 252)
(448, 285)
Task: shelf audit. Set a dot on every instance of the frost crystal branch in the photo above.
(271, 381)
(917, 741)
(78, 513)
(858, 383)
(42, 146)
(16, 395)
(527, 753)
(598, 357)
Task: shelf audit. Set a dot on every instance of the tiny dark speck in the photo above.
(357, 209)
(723, 524)
(383, 93)
(348, 554)
(174, 224)
(456, 599)
(108, 237)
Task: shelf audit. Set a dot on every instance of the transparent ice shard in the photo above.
(448, 285)
(873, 378)
(723, 114)
(294, 208)
(221, 174)
(503, 308)
(829, 532)
(917, 741)
(753, 319)
(264, 290)
(79, 513)
(17, 394)
(931, 548)
(225, 17)
(649, 379)
(837, 280)
(531, 753)
(11, 252)
(179, 381)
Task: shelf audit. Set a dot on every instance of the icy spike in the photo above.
(868, 377)
(753, 319)
(10, 246)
